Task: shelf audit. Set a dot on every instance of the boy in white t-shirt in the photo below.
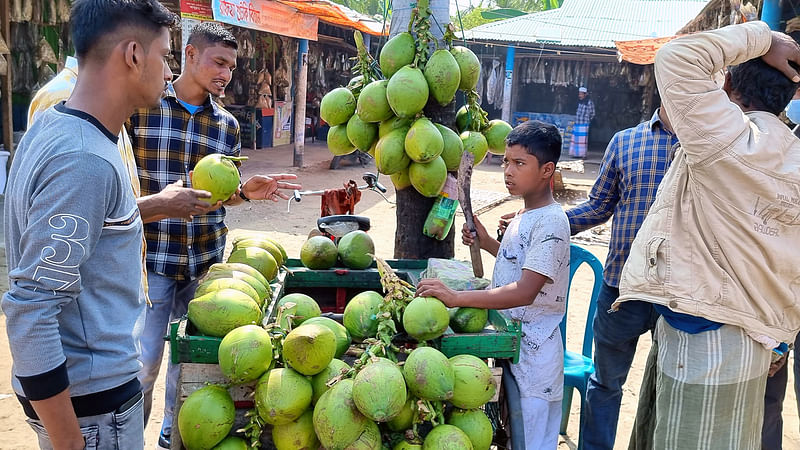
(531, 278)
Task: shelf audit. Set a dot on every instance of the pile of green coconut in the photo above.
(382, 112)
(319, 383)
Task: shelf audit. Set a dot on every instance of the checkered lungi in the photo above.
(709, 389)
(580, 140)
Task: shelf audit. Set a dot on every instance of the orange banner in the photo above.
(642, 51)
(266, 15)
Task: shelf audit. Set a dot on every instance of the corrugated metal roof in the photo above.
(593, 23)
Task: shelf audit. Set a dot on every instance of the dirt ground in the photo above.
(290, 228)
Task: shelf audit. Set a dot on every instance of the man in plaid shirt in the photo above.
(632, 168)
(168, 142)
(580, 129)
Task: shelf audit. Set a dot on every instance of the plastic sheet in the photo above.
(456, 275)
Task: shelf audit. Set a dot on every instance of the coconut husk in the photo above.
(3, 66)
(4, 50)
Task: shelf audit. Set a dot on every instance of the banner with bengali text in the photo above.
(196, 9)
(266, 15)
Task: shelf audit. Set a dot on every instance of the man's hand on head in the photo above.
(783, 51)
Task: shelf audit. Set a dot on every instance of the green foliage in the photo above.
(372, 8)
(472, 18)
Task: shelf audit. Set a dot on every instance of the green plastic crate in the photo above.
(500, 341)
(333, 288)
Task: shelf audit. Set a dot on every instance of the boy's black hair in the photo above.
(540, 139)
(92, 22)
(212, 33)
(761, 86)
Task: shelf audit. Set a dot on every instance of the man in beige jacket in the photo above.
(715, 252)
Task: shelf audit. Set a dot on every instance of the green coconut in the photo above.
(476, 144)
(423, 141)
(337, 106)
(239, 267)
(258, 236)
(462, 119)
(447, 437)
(218, 175)
(263, 291)
(379, 390)
(428, 374)
(282, 395)
(318, 253)
(369, 439)
(400, 179)
(469, 66)
(337, 420)
(474, 384)
(257, 258)
(469, 320)
(296, 435)
(425, 318)
(319, 382)
(228, 283)
(373, 147)
(394, 123)
(309, 349)
(428, 178)
(407, 92)
(390, 154)
(356, 250)
(398, 52)
(361, 134)
(360, 315)
(206, 417)
(267, 245)
(304, 308)
(443, 75)
(343, 339)
(496, 134)
(218, 313)
(475, 425)
(405, 445)
(405, 418)
(232, 443)
(338, 142)
(452, 149)
(245, 354)
(372, 103)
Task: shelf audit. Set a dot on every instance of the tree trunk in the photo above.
(413, 208)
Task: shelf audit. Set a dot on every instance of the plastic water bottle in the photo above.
(440, 218)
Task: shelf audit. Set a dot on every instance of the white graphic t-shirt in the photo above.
(538, 240)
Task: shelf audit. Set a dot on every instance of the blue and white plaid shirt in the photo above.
(168, 141)
(634, 163)
(585, 112)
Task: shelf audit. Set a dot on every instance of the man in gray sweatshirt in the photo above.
(74, 237)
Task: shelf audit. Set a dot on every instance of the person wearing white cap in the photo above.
(580, 131)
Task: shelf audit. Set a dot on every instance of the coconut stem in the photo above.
(235, 158)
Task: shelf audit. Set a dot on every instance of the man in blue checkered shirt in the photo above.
(632, 168)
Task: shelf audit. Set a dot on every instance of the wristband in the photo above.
(241, 194)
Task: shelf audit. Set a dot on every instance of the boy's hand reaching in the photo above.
(431, 287)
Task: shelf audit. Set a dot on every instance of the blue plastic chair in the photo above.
(578, 366)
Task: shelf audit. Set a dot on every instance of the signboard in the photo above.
(266, 15)
(197, 9)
